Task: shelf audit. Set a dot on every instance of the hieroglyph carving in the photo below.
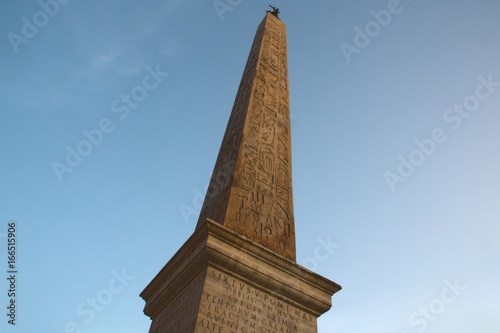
(251, 191)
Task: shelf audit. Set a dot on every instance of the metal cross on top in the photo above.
(275, 11)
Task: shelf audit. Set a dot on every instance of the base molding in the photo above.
(220, 282)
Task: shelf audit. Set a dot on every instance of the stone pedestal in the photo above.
(220, 282)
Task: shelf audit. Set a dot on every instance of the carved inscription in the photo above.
(229, 305)
(251, 188)
(264, 212)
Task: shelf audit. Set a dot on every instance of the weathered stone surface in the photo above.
(179, 314)
(233, 305)
(221, 282)
(251, 187)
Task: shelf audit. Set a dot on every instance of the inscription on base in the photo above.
(229, 305)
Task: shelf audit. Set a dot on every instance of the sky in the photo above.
(395, 153)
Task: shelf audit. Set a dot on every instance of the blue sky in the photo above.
(395, 140)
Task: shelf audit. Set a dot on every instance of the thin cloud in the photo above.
(116, 61)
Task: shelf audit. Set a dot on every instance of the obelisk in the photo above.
(251, 187)
(238, 271)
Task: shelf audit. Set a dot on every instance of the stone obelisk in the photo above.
(238, 271)
(251, 187)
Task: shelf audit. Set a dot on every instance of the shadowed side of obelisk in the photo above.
(250, 191)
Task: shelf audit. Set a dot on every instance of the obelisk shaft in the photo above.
(250, 191)
(232, 274)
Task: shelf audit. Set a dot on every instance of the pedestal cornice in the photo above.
(214, 245)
